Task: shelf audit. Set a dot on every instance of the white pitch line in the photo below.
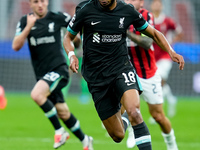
(98, 142)
(32, 139)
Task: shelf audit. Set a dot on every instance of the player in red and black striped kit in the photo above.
(173, 32)
(143, 60)
(142, 57)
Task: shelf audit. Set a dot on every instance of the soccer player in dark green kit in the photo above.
(42, 28)
(111, 78)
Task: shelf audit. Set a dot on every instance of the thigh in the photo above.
(40, 92)
(152, 89)
(131, 102)
(41, 88)
(155, 109)
(114, 124)
(105, 100)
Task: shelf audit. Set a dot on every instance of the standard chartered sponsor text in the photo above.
(111, 38)
(43, 40)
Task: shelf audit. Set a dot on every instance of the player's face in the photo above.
(39, 7)
(107, 3)
(136, 3)
(156, 6)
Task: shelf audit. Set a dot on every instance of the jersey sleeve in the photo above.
(64, 18)
(20, 26)
(150, 19)
(139, 22)
(76, 22)
(148, 16)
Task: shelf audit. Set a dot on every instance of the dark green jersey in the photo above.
(104, 38)
(44, 41)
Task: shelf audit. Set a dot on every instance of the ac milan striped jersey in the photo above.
(165, 24)
(142, 59)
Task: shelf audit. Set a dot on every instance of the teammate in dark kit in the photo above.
(42, 29)
(106, 68)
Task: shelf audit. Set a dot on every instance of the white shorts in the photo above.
(152, 89)
(164, 67)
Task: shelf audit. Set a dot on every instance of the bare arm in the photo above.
(19, 40)
(77, 41)
(161, 41)
(142, 41)
(69, 48)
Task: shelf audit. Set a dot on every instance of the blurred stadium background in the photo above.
(16, 71)
(16, 76)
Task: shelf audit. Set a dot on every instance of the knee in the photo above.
(134, 115)
(159, 117)
(37, 97)
(63, 115)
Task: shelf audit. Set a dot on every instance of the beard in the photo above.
(112, 1)
(107, 6)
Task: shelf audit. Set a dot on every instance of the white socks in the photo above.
(85, 141)
(170, 140)
(59, 131)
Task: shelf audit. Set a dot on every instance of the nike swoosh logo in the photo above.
(94, 23)
(128, 84)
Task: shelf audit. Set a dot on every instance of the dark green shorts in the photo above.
(57, 79)
(107, 98)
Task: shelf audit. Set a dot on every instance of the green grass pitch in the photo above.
(23, 126)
